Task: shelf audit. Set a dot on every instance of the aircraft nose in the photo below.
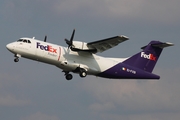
(9, 46)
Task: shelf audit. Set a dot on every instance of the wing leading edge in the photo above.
(105, 44)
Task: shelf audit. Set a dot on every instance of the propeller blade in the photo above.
(72, 37)
(70, 42)
(45, 38)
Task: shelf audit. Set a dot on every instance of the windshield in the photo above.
(20, 40)
(24, 40)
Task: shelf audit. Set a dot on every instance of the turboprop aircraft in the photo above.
(80, 57)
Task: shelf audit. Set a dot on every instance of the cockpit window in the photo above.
(24, 40)
(29, 41)
(20, 40)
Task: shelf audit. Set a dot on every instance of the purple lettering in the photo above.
(46, 48)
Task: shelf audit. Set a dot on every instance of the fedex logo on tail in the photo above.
(150, 56)
(46, 48)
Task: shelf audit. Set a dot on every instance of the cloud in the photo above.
(8, 96)
(98, 7)
(102, 107)
(136, 98)
(150, 116)
(162, 11)
(159, 10)
(41, 116)
(10, 100)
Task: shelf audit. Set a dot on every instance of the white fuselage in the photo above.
(62, 57)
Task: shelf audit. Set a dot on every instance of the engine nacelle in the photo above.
(80, 45)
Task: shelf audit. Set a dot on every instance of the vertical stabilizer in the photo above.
(147, 59)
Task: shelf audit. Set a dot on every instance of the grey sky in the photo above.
(30, 90)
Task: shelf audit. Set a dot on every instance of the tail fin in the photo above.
(146, 59)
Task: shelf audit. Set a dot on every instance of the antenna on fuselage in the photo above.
(45, 38)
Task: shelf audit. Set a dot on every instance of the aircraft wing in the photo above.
(105, 44)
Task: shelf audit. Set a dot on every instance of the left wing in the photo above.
(105, 44)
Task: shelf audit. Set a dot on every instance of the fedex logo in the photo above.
(150, 56)
(46, 48)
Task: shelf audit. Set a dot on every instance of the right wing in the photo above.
(105, 44)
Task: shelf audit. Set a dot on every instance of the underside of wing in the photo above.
(105, 44)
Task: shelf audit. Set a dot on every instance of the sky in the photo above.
(31, 90)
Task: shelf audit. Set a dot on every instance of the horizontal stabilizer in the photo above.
(163, 45)
(160, 45)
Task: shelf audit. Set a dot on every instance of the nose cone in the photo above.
(9, 46)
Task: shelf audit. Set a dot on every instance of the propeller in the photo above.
(45, 38)
(70, 42)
